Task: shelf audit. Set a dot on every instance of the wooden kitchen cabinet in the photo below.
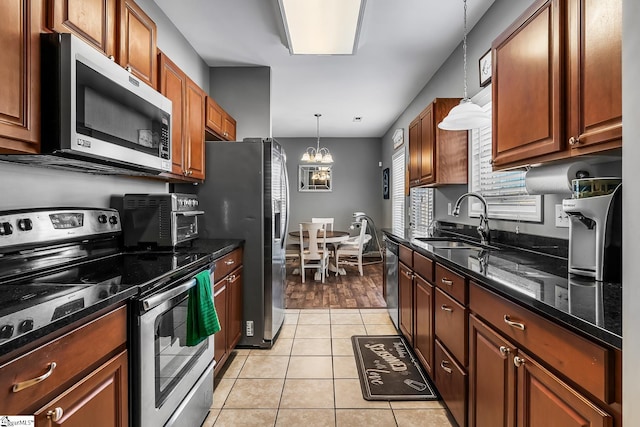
(20, 70)
(220, 126)
(405, 301)
(436, 156)
(187, 133)
(423, 334)
(86, 381)
(555, 102)
(118, 28)
(228, 300)
(507, 387)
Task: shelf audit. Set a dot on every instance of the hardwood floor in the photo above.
(349, 291)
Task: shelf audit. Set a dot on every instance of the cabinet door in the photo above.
(229, 128)
(194, 120)
(544, 400)
(423, 336)
(137, 44)
(92, 20)
(405, 301)
(220, 295)
(173, 85)
(98, 400)
(594, 54)
(214, 117)
(527, 87)
(492, 386)
(427, 146)
(414, 152)
(20, 71)
(235, 308)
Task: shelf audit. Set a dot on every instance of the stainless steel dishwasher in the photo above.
(391, 273)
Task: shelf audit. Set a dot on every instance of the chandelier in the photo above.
(317, 155)
(465, 115)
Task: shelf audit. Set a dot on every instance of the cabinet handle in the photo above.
(55, 414)
(28, 383)
(128, 68)
(447, 281)
(445, 366)
(221, 290)
(231, 278)
(229, 262)
(517, 325)
(574, 141)
(518, 361)
(504, 350)
(111, 57)
(407, 275)
(445, 308)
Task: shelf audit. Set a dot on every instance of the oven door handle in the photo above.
(190, 213)
(155, 300)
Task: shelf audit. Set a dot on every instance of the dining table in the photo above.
(332, 237)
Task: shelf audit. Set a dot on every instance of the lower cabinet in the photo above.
(508, 387)
(451, 381)
(423, 334)
(227, 296)
(405, 301)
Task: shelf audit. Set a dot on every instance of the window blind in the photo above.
(397, 191)
(505, 192)
(421, 211)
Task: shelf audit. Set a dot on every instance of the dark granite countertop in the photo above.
(537, 281)
(40, 305)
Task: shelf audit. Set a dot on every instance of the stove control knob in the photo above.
(113, 220)
(6, 331)
(25, 224)
(102, 219)
(5, 229)
(25, 326)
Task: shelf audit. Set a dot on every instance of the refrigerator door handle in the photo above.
(286, 195)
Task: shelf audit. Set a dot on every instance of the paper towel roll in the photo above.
(554, 178)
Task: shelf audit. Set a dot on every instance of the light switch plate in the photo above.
(562, 219)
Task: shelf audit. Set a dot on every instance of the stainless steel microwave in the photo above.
(94, 110)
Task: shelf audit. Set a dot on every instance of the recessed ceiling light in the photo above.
(357, 119)
(322, 27)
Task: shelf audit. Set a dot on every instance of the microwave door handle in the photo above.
(155, 300)
(190, 213)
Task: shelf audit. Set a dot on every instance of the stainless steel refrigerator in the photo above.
(246, 196)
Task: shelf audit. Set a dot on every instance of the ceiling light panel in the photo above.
(322, 27)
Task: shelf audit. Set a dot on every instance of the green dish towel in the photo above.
(202, 319)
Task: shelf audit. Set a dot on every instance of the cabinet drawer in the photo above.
(405, 255)
(451, 382)
(586, 363)
(423, 266)
(452, 325)
(74, 354)
(227, 264)
(451, 283)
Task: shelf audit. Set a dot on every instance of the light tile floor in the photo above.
(309, 378)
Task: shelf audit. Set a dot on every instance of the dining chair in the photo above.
(353, 248)
(315, 255)
(328, 221)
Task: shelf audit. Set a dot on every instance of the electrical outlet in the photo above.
(562, 219)
(449, 209)
(249, 328)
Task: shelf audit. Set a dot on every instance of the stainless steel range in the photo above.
(57, 265)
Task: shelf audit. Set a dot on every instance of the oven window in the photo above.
(172, 356)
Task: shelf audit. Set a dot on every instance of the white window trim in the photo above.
(398, 167)
(503, 204)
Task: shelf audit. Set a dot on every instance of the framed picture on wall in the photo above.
(485, 69)
(385, 183)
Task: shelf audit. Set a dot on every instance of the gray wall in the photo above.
(631, 203)
(244, 93)
(26, 186)
(357, 184)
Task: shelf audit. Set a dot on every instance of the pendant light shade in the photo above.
(317, 154)
(465, 115)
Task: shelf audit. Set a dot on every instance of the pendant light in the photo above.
(317, 155)
(465, 115)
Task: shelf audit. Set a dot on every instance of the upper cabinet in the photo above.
(20, 70)
(557, 79)
(187, 134)
(119, 28)
(219, 124)
(436, 156)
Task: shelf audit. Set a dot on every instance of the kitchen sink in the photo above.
(452, 243)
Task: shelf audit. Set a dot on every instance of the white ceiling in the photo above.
(402, 44)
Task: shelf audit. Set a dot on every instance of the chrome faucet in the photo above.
(483, 228)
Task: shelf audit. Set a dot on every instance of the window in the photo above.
(421, 211)
(397, 191)
(505, 192)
